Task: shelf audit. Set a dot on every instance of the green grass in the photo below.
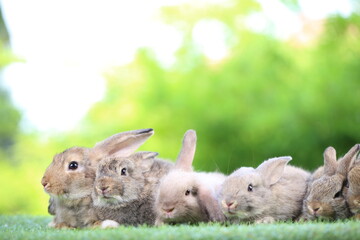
(31, 227)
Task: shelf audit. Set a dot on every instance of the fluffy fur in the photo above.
(324, 199)
(352, 189)
(124, 188)
(271, 192)
(70, 188)
(185, 196)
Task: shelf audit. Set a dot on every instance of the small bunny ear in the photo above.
(145, 160)
(330, 163)
(210, 205)
(271, 170)
(147, 155)
(121, 144)
(345, 162)
(186, 155)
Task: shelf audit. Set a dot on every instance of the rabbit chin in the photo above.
(236, 214)
(109, 201)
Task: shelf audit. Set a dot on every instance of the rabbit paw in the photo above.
(158, 222)
(59, 225)
(265, 220)
(109, 224)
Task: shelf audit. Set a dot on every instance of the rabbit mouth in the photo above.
(229, 211)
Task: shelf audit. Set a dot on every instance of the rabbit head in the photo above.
(71, 174)
(121, 180)
(353, 187)
(325, 198)
(182, 196)
(244, 193)
(178, 198)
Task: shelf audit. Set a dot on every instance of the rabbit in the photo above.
(124, 187)
(352, 188)
(70, 177)
(271, 192)
(324, 198)
(185, 196)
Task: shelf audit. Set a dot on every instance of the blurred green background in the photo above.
(268, 97)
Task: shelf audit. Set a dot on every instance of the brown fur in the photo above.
(70, 189)
(128, 199)
(269, 193)
(324, 199)
(352, 191)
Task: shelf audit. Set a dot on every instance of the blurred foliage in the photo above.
(267, 98)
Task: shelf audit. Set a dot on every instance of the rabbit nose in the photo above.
(229, 204)
(44, 183)
(168, 210)
(104, 188)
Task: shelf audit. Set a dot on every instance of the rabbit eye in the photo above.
(187, 192)
(73, 165)
(123, 171)
(338, 194)
(250, 188)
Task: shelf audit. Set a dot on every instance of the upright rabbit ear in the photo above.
(272, 169)
(187, 153)
(145, 159)
(210, 205)
(344, 162)
(121, 144)
(330, 163)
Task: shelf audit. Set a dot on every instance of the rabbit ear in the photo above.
(272, 169)
(330, 163)
(355, 161)
(345, 162)
(186, 155)
(121, 144)
(146, 160)
(210, 205)
(147, 155)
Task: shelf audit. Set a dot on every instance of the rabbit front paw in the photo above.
(109, 224)
(265, 220)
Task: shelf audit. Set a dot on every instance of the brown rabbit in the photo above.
(271, 192)
(124, 188)
(352, 189)
(324, 199)
(185, 196)
(70, 177)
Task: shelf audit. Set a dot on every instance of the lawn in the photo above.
(31, 227)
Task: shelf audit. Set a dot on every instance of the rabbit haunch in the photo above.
(70, 177)
(124, 188)
(273, 191)
(185, 196)
(324, 198)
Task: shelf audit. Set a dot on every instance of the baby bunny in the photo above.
(124, 187)
(70, 177)
(325, 198)
(271, 192)
(352, 190)
(185, 196)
